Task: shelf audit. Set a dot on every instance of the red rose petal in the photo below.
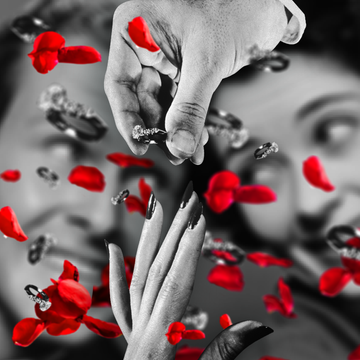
(129, 268)
(188, 353)
(105, 275)
(355, 355)
(264, 260)
(26, 331)
(133, 203)
(224, 255)
(49, 315)
(66, 327)
(70, 272)
(11, 175)
(79, 55)
(9, 224)
(193, 335)
(125, 160)
(88, 177)
(272, 303)
(102, 328)
(145, 191)
(356, 278)
(286, 296)
(225, 321)
(71, 299)
(254, 194)
(219, 195)
(315, 174)
(140, 34)
(174, 334)
(228, 277)
(332, 281)
(44, 56)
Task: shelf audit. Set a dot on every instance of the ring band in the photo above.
(264, 150)
(334, 241)
(121, 197)
(48, 176)
(229, 127)
(43, 302)
(40, 247)
(148, 136)
(54, 102)
(269, 61)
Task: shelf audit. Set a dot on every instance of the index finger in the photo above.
(123, 73)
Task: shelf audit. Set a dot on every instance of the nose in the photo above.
(93, 211)
(314, 207)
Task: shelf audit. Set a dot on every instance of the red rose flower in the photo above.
(285, 305)
(70, 302)
(49, 50)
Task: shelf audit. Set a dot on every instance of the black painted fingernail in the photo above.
(107, 246)
(257, 334)
(151, 206)
(187, 195)
(195, 216)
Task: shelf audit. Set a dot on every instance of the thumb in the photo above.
(234, 339)
(185, 119)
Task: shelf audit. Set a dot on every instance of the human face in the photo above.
(78, 218)
(313, 108)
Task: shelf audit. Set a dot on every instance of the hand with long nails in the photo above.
(201, 42)
(162, 284)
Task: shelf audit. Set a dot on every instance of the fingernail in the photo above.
(184, 141)
(151, 206)
(257, 334)
(187, 195)
(196, 216)
(107, 246)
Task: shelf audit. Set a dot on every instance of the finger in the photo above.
(198, 157)
(145, 255)
(119, 292)
(234, 339)
(162, 263)
(186, 116)
(121, 79)
(176, 289)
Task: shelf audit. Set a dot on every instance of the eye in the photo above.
(260, 174)
(335, 132)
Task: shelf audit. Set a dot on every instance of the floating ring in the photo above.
(40, 247)
(27, 28)
(264, 150)
(334, 241)
(118, 199)
(229, 127)
(43, 302)
(148, 136)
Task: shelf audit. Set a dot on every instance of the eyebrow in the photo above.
(322, 101)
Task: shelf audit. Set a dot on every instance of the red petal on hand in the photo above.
(225, 321)
(66, 327)
(219, 195)
(133, 203)
(101, 296)
(264, 260)
(352, 264)
(44, 56)
(188, 353)
(315, 174)
(79, 55)
(70, 272)
(129, 268)
(26, 331)
(145, 191)
(88, 177)
(9, 224)
(355, 355)
(11, 175)
(228, 277)
(254, 194)
(174, 334)
(140, 34)
(332, 281)
(286, 296)
(102, 328)
(193, 335)
(125, 160)
(71, 299)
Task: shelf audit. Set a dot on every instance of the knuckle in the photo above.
(136, 284)
(155, 272)
(193, 110)
(227, 348)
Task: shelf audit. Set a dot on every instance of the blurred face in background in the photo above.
(312, 108)
(79, 219)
